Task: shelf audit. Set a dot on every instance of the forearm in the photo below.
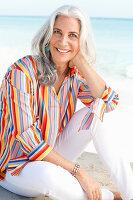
(86, 182)
(95, 83)
(59, 160)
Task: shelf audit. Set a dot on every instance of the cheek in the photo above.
(52, 42)
(51, 47)
(76, 47)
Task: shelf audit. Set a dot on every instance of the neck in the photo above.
(62, 69)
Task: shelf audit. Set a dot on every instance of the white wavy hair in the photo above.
(47, 74)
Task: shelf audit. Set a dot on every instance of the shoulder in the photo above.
(24, 66)
(26, 63)
(21, 74)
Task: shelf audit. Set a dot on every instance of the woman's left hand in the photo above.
(78, 61)
(95, 83)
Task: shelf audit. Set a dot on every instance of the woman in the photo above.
(41, 134)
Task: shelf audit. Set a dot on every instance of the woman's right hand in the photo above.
(90, 186)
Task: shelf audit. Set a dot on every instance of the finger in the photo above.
(99, 194)
(71, 65)
(95, 195)
(90, 196)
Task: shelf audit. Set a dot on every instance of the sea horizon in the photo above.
(97, 17)
(113, 39)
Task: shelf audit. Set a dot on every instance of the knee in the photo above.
(46, 172)
(50, 175)
(41, 176)
(79, 115)
(56, 182)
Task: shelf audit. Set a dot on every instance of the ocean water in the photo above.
(113, 38)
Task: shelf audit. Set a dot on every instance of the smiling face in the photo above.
(64, 43)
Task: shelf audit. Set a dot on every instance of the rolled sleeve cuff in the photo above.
(97, 108)
(40, 151)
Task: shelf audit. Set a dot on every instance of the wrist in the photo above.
(82, 62)
(84, 67)
(75, 170)
(79, 173)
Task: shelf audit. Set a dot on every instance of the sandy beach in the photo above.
(90, 162)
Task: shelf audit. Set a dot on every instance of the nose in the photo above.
(64, 40)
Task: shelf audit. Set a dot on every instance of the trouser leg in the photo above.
(39, 177)
(71, 143)
(109, 152)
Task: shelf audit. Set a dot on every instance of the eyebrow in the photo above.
(69, 32)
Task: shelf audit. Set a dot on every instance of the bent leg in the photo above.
(44, 178)
(40, 177)
(109, 153)
(71, 143)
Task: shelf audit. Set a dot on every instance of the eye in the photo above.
(57, 32)
(73, 35)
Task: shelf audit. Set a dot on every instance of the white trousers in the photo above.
(40, 177)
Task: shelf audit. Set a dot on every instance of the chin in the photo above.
(61, 62)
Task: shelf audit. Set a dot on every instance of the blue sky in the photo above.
(94, 8)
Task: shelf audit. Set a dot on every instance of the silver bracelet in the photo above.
(75, 170)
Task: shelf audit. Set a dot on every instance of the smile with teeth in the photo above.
(62, 50)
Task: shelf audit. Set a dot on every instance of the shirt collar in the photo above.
(72, 72)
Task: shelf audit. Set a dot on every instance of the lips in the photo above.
(64, 51)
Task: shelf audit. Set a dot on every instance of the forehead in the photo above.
(64, 22)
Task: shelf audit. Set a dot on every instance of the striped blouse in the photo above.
(32, 115)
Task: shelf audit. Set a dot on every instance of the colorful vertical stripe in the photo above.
(32, 116)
